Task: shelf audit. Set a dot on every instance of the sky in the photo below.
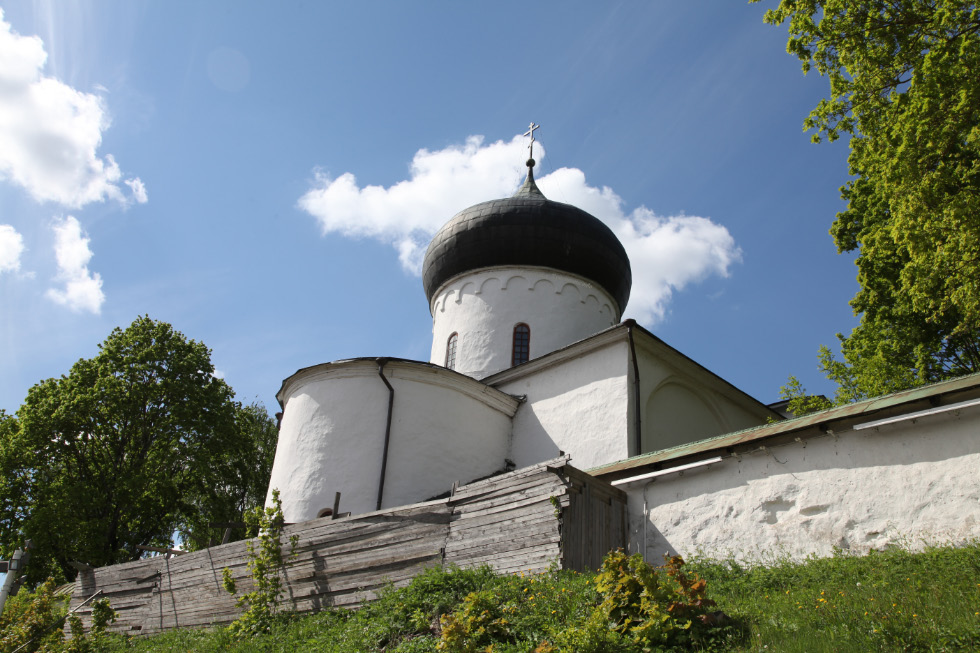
(266, 176)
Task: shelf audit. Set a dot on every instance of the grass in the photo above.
(886, 601)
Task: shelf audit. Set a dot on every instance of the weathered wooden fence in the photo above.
(521, 521)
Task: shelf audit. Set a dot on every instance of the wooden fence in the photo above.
(520, 521)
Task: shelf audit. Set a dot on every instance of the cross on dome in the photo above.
(530, 147)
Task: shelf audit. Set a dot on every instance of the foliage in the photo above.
(892, 600)
(634, 607)
(247, 465)
(138, 442)
(33, 621)
(904, 85)
(518, 613)
(265, 564)
(884, 601)
(652, 606)
(801, 403)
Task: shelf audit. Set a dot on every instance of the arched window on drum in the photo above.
(522, 344)
(451, 351)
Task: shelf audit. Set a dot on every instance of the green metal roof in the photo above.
(824, 417)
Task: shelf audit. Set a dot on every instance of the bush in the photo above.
(265, 563)
(33, 621)
(633, 607)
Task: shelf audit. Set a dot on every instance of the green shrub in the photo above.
(265, 563)
(633, 607)
(33, 621)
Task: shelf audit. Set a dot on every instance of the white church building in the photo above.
(530, 360)
(611, 437)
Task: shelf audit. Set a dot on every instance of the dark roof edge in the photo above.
(375, 359)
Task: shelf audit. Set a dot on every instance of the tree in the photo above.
(904, 86)
(247, 466)
(118, 452)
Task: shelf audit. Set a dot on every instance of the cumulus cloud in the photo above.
(666, 252)
(407, 214)
(11, 247)
(138, 188)
(82, 288)
(50, 133)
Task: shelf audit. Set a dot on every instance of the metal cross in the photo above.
(530, 132)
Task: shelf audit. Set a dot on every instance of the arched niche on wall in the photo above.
(675, 415)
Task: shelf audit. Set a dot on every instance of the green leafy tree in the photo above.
(904, 86)
(247, 466)
(115, 453)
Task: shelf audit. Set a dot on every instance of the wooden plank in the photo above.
(527, 484)
(514, 539)
(502, 521)
(540, 468)
(504, 507)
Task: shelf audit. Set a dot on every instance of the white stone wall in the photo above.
(580, 406)
(484, 306)
(681, 402)
(445, 427)
(910, 483)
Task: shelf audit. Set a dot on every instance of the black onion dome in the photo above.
(528, 229)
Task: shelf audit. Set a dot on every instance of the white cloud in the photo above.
(139, 189)
(666, 253)
(50, 133)
(407, 214)
(83, 289)
(11, 247)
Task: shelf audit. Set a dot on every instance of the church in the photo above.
(544, 431)
(529, 360)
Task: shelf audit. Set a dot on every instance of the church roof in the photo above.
(929, 399)
(528, 229)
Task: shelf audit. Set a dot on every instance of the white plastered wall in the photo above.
(578, 405)
(484, 306)
(680, 402)
(445, 427)
(909, 484)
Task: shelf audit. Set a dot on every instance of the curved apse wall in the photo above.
(445, 427)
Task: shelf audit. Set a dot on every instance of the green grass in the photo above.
(887, 601)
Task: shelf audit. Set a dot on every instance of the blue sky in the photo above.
(265, 176)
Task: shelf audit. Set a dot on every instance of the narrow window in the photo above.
(522, 344)
(451, 351)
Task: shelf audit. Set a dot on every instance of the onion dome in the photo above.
(528, 229)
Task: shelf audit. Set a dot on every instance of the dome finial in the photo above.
(529, 187)
(530, 147)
